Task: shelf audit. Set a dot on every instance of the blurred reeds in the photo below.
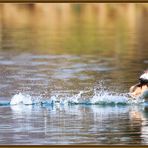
(55, 14)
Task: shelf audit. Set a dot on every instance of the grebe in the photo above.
(140, 90)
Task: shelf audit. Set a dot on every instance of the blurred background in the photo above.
(78, 28)
(102, 30)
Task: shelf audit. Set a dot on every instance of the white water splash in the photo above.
(76, 98)
(21, 99)
(102, 97)
(109, 98)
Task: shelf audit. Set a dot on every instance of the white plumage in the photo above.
(144, 76)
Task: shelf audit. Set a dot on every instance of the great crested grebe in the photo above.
(140, 89)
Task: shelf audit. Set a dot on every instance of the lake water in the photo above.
(72, 79)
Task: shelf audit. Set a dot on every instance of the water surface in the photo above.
(81, 61)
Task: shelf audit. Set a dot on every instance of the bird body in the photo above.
(140, 90)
